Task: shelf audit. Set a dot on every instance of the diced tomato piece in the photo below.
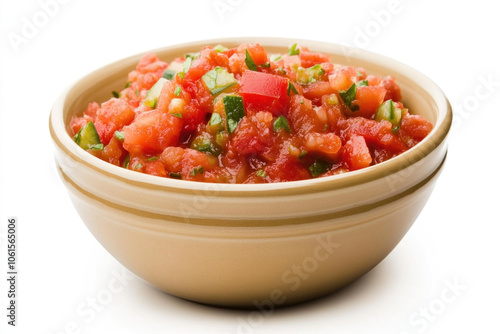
(151, 132)
(251, 136)
(264, 91)
(343, 78)
(414, 128)
(172, 158)
(77, 123)
(316, 90)
(111, 117)
(308, 59)
(375, 133)
(257, 52)
(393, 92)
(287, 169)
(194, 165)
(302, 117)
(356, 153)
(327, 144)
(368, 99)
(114, 152)
(155, 168)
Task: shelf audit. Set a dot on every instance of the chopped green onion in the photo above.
(197, 170)
(348, 95)
(235, 111)
(319, 167)
(115, 94)
(120, 135)
(249, 61)
(293, 51)
(178, 90)
(152, 159)
(218, 79)
(292, 88)
(261, 173)
(169, 74)
(281, 123)
(88, 138)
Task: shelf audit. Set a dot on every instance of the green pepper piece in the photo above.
(88, 138)
(235, 111)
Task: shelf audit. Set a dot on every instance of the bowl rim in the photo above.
(62, 139)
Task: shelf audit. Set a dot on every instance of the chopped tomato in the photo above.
(112, 116)
(264, 91)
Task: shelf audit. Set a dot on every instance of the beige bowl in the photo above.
(252, 245)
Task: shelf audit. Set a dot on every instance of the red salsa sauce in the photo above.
(242, 115)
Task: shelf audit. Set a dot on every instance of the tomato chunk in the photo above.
(263, 90)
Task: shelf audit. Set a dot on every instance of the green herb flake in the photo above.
(266, 65)
(176, 176)
(319, 167)
(177, 114)
(281, 123)
(198, 170)
(115, 94)
(126, 162)
(152, 159)
(293, 51)
(292, 88)
(128, 84)
(235, 111)
(362, 83)
(120, 135)
(249, 61)
(261, 173)
(302, 154)
(138, 166)
(275, 57)
(169, 74)
(348, 95)
(281, 70)
(178, 91)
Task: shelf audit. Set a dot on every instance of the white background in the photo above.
(62, 269)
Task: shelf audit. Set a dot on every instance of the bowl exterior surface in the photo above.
(244, 245)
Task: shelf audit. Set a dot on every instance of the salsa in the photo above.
(242, 115)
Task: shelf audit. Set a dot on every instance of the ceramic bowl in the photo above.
(252, 245)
